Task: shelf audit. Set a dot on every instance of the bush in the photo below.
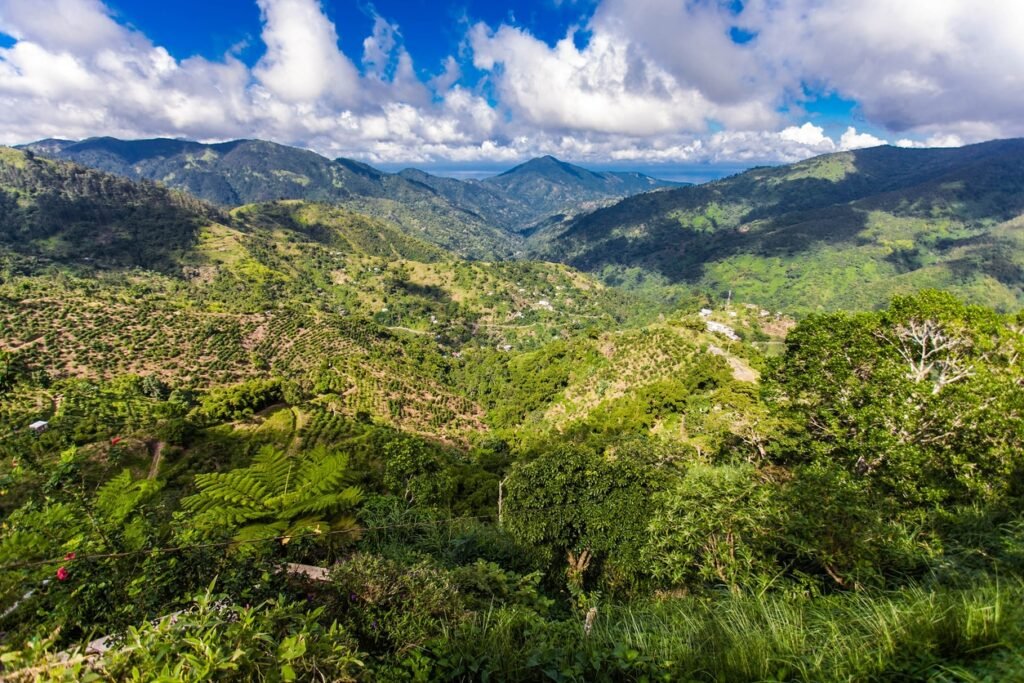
(571, 500)
(239, 401)
(716, 526)
(390, 606)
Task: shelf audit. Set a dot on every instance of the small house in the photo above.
(39, 427)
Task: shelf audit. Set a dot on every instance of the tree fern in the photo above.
(278, 495)
(121, 496)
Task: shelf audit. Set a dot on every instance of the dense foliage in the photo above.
(319, 449)
(847, 230)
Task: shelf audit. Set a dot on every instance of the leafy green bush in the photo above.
(716, 526)
(390, 606)
(571, 500)
(212, 639)
(239, 401)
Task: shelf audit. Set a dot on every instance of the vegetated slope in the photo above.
(336, 302)
(844, 230)
(478, 219)
(552, 186)
(97, 330)
(538, 190)
(67, 212)
(251, 171)
(688, 380)
(490, 203)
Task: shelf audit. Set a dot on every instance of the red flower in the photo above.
(69, 556)
(62, 574)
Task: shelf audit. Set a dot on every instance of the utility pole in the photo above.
(501, 501)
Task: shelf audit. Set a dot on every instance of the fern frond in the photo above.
(116, 500)
(322, 472)
(258, 532)
(272, 469)
(236, 488)
(329, 504)
(276, 492)
(225, 518)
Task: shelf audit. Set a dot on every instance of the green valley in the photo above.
(842, 231)
(763, 429)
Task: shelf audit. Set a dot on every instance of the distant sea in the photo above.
(682, 173)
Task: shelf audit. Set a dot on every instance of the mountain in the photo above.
(845, 230)
(490, 203)
(249, 171)
(102, 276)
(551, 186)
(475, 218)
(540, 190)
(66, 212)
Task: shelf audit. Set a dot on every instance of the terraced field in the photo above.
(364, 365)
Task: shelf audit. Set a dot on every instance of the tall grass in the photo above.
(912, 634)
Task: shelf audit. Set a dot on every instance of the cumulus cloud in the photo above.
(304, 90)
(303, 62)
(651, 80)
(808, 135)
(851, 139)
(610, 86)
(911, 65)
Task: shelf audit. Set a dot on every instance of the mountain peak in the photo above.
(541, 164)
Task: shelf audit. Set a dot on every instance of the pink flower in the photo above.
(69, 556)
(62, 574)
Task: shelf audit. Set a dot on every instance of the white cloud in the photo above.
(910, 65)
(657, 80)
(303, 91)
(303, 62)
(807, 134)
(610, 86)
(61, 25)
(851, 139)
(378, 47)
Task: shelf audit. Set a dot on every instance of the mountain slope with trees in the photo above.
(294, 442)
(250, 171)
(846, 230)
(539, 190)
(479, 219)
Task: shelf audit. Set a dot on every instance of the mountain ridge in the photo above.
(479, 219)
(844, 230)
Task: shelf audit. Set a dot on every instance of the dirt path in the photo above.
(156, 449)
(299, 420)
(741, 372)
(407, 329)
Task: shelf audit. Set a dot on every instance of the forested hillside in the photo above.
(846, 230)
(480, 219)
(250, 171)
(290, 441)
(552, 187)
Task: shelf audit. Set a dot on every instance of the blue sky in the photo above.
(432, 30)
(685, 88)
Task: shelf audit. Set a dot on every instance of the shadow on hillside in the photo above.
(789, 215)
(109, 225)
(680, 255)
